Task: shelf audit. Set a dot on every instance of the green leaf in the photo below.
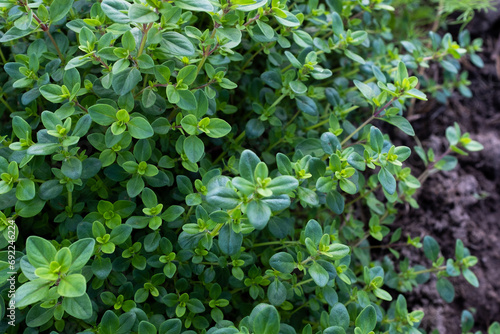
(338, 251)
(282, 262)
(126, 80)
(307, 105)
(335, 202)
(348, 186)
(470, 277)
(59, 9)
(32, 292)
(81, 251)
(195, 5)
(224, 198)
(319, 274)
(14, 33)
(282, 184)
(416, 94)
(276, 293)
(194, 148)
(366, 90)
(401, 74)
(146, 328)
(20, 127)
(187, 100)
(102, 114)
(128, 41)
(431, 248)
(249, 5)
(25, 190)
(187, 74)
(289, 20)
(339, 316)
(171, 326)
(376, 139)
(52, 93)
(446, 163)
(40, 252)
(172, 213)
(116, 10)
(217, 128)
(258, 214)
(401, 123)
(494, 328)
(141, 14)
(337, 24)
(313, 231)
(79, 307)
(229, 241)
(72, 286)
(43, 149)
(354, 56)
(109, 322)
(445, 289)
(140, 128)
(367, 319)
(177, 44)
(38, 316)
(135, 185)
(308, 196)
(247, 164)
(72, 168)
(265, 319)
(387, 181)
(382, 294)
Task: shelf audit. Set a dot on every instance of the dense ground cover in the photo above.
(227, 167)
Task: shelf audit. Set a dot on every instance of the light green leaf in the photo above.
(102, 114)
(195, 5)
(194, 148)
(141, 14)
(140, 128)
(177, 44)
(258, 214)
(265, 319)
(319, 274)
(387, 181)
(79, 307)
(218, 128)
(32, 292)
(25, 190)
(40, 252)
(126, 80)
(59, 9)
(72, 286)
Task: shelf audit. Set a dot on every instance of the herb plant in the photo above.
(217, 166)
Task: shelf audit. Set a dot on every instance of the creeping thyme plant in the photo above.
(216, 166)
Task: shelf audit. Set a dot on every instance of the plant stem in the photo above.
(80, 106)
(428, 169)
(70, 200)
(145, 30)
(273, 243)
(45, 28)
(236, 141)
(362, 196)
(369, 120)
(278, 100)
(7, 105)
(304, 282)
(430, 270)
(303, 305)
(3, 57)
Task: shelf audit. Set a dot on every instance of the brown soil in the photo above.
(464, 203)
